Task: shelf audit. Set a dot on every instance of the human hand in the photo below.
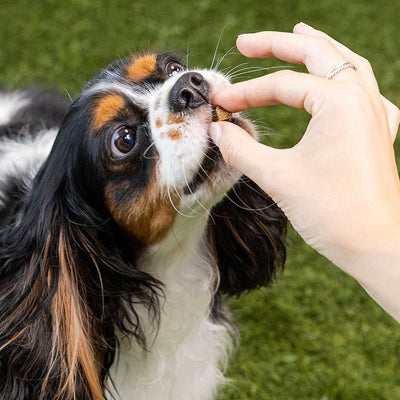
(339, 185)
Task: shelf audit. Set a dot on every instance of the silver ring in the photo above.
(338, 68)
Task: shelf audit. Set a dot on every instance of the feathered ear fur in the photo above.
(67, 281)
(247, 236)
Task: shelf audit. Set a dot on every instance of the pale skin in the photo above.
(339, 186)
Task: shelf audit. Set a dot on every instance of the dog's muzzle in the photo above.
(190, 91)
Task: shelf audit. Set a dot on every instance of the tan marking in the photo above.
(147, 218)
(107, 108)
(174, 134)
(73, 329)
(175, 119)
(159, 123)
(142, 67)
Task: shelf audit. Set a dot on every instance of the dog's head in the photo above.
(131, 165)
(141, 130)
(147, 119)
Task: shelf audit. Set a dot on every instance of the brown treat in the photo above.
(222, 115)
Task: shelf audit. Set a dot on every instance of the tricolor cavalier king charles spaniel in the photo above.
(121, 231)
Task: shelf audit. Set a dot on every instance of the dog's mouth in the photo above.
(213, 159)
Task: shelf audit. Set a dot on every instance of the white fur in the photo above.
(23, 157)
(10, 103)
(181, 159)
(189, 351)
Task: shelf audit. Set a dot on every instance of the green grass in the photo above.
(315, 334)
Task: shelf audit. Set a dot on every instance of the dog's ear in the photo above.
(67, 280)
(247, 234)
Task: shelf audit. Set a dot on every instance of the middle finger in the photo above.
(318, 54)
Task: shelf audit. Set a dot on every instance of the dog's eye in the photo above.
(173, 68)
(123, 141)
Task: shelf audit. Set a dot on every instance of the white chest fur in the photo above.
(190, 350)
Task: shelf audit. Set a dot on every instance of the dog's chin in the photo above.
(214, 176)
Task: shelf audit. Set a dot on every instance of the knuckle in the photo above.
(364, 63)
(284, 73)
(351, 94)
(322, 42)
(397, 116)
(356, 91)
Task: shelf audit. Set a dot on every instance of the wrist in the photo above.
(370, 245)
(374, 261)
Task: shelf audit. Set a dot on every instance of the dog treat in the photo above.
(222, 115)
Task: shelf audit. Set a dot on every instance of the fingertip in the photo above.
(222, 99)
(251, 44)
(217, 129)
(243, 41)
(225, 125)
(233, 131)
(297, 27)
(215, 132)
(302, 27)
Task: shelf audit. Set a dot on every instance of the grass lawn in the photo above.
(315, 334)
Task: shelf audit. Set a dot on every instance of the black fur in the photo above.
(248, 238)
(13, 193)
(67, 196)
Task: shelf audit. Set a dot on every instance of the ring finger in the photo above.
(361, 63)
(364, 68)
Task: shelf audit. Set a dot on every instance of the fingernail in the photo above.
(306, 25)
(215, 132)
(245, 34)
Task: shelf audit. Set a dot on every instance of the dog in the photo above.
(122, 230)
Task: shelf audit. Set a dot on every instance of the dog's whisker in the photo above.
(148, 149)
(68, 94)
(255, 210)
(208, 176)
(248, 70)
(260, 192)
(172, 202)
(233, 68)
(252, 69)
(173, 205)
(187, 53)
(258, 69)
(181, 198)
(246, 206)
(217, 46)
(223, 57)
(191, 192)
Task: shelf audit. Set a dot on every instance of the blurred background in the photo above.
(315, 334)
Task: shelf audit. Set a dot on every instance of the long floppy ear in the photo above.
(247, 237)
(67, 280)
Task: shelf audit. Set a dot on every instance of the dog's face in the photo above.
(148, 118)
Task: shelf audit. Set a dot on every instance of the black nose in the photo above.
(189, 92)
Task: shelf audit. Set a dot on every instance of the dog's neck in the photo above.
(189, 348)
(184, 265)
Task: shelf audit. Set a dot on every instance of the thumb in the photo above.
(241, 151)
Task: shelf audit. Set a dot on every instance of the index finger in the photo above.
(282, 87)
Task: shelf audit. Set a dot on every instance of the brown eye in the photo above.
(123, 141)
(173, 68)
